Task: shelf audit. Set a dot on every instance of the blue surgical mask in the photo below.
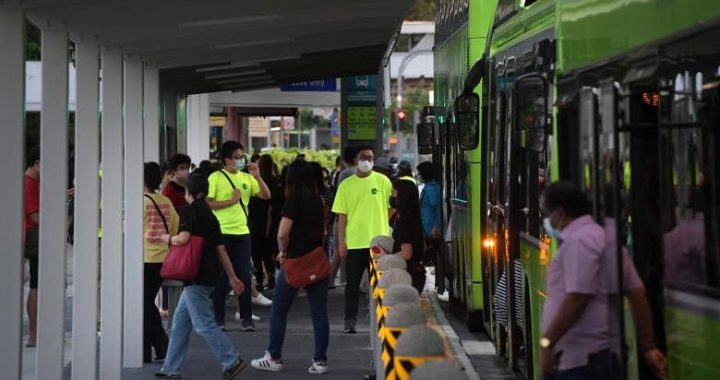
(240, 164)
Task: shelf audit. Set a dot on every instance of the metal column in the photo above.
(151, 101)
(133, 274)
(53, 198)
(112, 219)
(86, 216)
(12, 119)
(198, 127)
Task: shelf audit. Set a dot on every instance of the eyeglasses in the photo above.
(366, 158)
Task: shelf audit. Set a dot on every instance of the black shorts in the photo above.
(33, 272)
(31, 252)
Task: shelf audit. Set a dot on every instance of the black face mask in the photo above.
(394, 203)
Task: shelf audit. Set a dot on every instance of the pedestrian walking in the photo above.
(229, 193)
(160, 218)
(362, 206)
(301, 232)
(193, 308)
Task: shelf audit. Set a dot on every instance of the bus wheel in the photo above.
(474, 321)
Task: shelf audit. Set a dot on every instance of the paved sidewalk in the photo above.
(348, 354)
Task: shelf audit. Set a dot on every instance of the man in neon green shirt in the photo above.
(229, 193)
(362, 203)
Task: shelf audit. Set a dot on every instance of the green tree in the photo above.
(422, 10)
(32, 42)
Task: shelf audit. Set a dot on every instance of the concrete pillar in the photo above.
(417, 345)
(198, 129)
(181, 123)
(151, 120)
(231, 124)
(134, 207)
(438, 370)
(111, 220)
(85, 270)
(53, 197)
(12, 155)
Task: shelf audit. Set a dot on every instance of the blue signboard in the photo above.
(312, 85)
(361, 88)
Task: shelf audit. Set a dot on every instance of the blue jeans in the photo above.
(283, 297)
(239, 249)
(193, 311)
(601, 365)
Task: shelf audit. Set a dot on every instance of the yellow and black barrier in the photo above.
(418, 345)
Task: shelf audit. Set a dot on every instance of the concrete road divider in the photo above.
(400, 317)
(416, 346)
(435, 370)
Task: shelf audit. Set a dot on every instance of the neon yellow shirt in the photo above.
(365, 201)
(155, 247)
(232, 219)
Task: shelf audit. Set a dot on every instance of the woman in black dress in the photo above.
(407, 231)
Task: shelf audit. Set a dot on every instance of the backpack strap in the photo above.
(242, 204)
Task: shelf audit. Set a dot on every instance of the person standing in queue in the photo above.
(407, 231)
(179, 168)
(576, 341)
(193, 308)
(362, 205)
(160, 218)
(301, 231)
(229, 193)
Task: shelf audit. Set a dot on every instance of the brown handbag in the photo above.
(307, 269)
(310, 267)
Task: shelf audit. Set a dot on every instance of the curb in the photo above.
(455, 342)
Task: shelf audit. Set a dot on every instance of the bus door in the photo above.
(528, 174)
(689, 194)
(497, 201)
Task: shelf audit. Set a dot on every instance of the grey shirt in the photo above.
(347, 172)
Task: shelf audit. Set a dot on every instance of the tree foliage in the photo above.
(32, 42)
(422, 10)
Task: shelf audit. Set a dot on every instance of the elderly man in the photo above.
(576, 342)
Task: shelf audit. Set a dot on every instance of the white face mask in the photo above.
(240, 164)
(549, 229)
(365, 166)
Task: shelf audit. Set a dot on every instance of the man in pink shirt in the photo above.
(581, 285)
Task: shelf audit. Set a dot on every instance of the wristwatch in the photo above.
(545, 342)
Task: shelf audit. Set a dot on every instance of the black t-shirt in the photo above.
(197, 219)
(258, 212)
(307, 230)
(409, 231)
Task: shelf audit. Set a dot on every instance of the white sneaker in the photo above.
(261, 300)
(254, 317)
(445, 297)
(318, 368)
(266, 363)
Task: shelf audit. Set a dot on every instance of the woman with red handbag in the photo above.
(304, 264)
(193, 309)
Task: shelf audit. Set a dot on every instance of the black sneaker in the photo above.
(163, 375)
(248, 326)
(233, 371)
(350, 326)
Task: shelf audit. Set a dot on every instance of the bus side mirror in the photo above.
(467, 112)
(426, 137)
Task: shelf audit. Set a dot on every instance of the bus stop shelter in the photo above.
(127, 54)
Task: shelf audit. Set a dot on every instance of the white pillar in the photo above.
(111, 217)
(133, 274)
(12, 143)
(151, 101)
(53, 197)
(86, 216)
(198, 127)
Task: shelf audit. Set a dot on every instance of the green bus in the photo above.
(620, 96)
